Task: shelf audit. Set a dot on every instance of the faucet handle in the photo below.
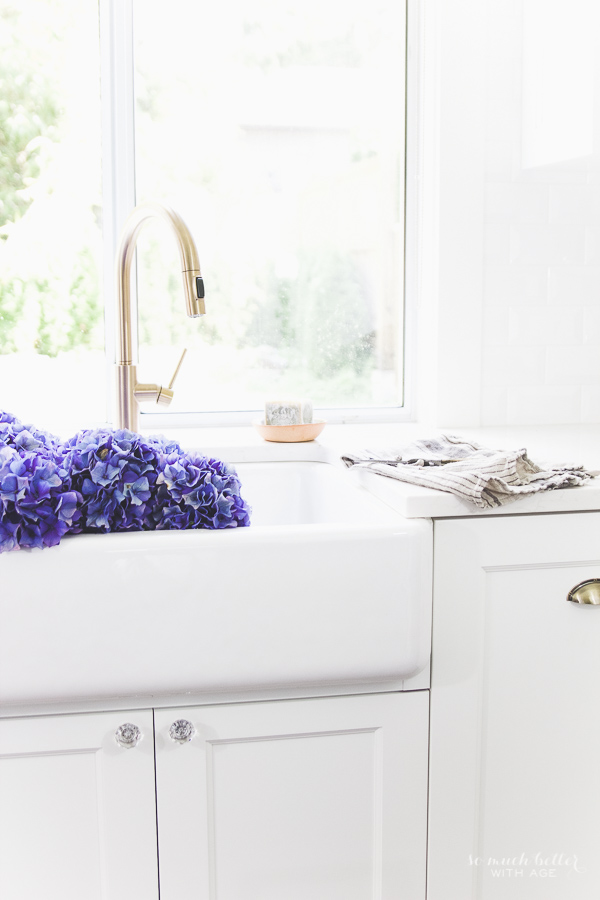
(177, 368)
(165, 395)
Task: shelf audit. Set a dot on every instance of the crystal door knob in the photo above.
(128, 735)
(586, 592)
(182, 731)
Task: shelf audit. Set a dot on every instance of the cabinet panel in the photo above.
(77, 812)
(307, 800)
(514, 789)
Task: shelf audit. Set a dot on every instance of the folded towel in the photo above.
(485, 477)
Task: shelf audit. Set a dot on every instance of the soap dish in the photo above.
(288, 434)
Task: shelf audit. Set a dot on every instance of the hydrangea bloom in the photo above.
(196, 492)
(105, 480)
(115, 471)
(26, 437)
(37, 506)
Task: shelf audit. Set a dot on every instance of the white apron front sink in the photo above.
(327, 587)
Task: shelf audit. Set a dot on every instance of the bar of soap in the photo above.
(288, 412)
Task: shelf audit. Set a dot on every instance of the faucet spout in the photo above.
(129, 393)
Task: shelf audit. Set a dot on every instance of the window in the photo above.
(276, 129)
(52, 357)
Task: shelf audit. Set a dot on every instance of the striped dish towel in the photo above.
(485, 477)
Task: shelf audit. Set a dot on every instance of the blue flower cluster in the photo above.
(37, 503)
(195, 492)
(26, 437)
(105, 480)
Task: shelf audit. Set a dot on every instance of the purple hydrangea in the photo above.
(115, 471)
(26, 437)
(104, 480)
(37, 505)
(196, 492)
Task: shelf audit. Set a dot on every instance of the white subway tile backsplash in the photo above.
(591, 326)
(496, 248)
(544, 405)
(499, 158)
(590, 403)
(495, 326)
(512, 204)
(570, 365)
(529, 245)
(511, 366)
(515, 285)
(574, 285)
(540, 320)
(566, 244)
(575, 204)
(592, 245)
(547, 244)
(570, 173)
(541, 303)
(543, 326)
(494, 405)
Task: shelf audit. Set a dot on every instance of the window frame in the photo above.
(119, 198)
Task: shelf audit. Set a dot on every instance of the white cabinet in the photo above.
(321, 799)
(302, 799)
(77, 812)
(515, 711)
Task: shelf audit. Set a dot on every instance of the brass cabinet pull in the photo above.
(586, 592)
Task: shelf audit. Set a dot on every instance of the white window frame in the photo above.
(118, 194)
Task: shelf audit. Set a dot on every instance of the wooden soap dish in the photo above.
(289, 434)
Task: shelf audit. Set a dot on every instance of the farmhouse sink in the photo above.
(327, 587)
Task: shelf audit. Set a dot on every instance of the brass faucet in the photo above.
(130, 393)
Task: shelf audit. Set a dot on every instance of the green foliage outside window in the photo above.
(53, 304)
(29, 112)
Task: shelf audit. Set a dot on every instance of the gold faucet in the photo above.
(130, 393)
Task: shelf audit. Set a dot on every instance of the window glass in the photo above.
(276, 129)
(52, 367)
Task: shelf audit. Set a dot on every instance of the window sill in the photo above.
(243, 444)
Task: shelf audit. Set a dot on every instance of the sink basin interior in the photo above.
(307, 493)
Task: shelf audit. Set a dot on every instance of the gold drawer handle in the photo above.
(586, 592)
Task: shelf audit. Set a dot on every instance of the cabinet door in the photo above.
(295, 800)
(77, 811)
(515, 711)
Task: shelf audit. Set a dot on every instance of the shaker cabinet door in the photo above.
(515, 710)
(77, 811)
(300, 799)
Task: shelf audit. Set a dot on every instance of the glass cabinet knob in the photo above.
(128, 735)
(182, 731)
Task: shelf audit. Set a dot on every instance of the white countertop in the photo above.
(577, 444)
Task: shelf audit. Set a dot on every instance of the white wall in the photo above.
(509, 307)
